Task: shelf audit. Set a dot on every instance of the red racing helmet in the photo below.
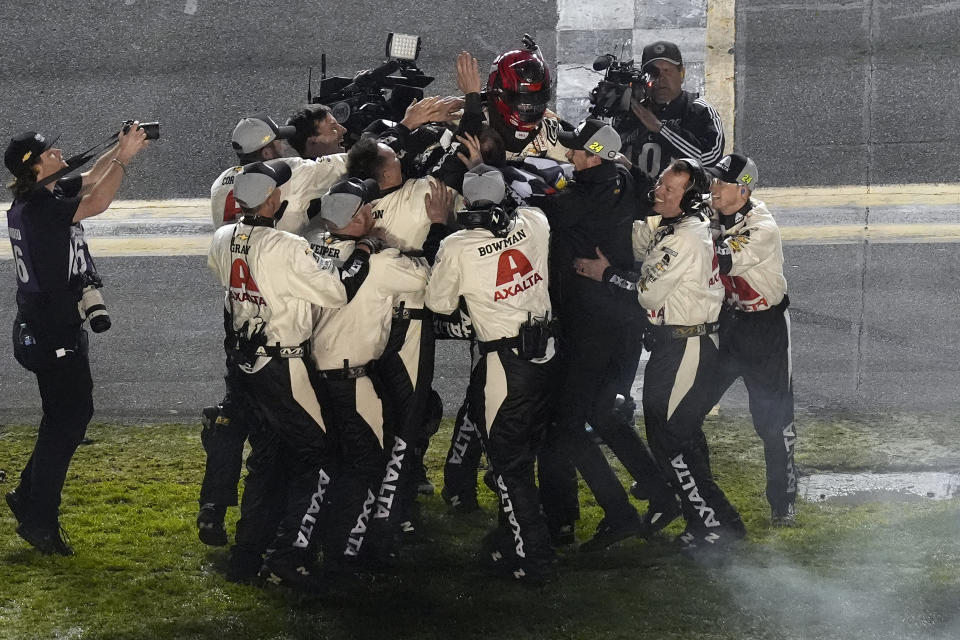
(519, 88)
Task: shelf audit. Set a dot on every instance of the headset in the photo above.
(495, 219)
(699, 186)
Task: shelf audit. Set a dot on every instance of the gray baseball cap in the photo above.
(595, 136)
(256, 132)
(256, 182)
(483, 185)
(344, 199)
(736, 169)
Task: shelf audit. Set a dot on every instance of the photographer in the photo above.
(670, 123)
(53, 266)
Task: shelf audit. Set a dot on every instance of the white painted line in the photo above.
(191, 7)
(719, 65)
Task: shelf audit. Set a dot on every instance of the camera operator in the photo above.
(498, 263)
(346, 343)
(595, 210)
(258, 138)
(272, 284)
(671, 123)
(679, 286)
(53, 266)
(755, 323)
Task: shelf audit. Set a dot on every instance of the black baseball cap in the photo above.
(253, 185)
(24, 150)
(736, 169)
(593, 135)
(661, 50)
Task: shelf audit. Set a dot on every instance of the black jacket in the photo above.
(691, 129)
(595, 210)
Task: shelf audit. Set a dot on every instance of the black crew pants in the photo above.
(510, 402)
(354, 414)
(463, 456)
(406, 371)
(677, 392)
(223, 443)
(290, 464)
(595, 354)
(756, 345)
(66, 396)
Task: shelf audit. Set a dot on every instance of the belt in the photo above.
(498, 345)
(681, 332)
(346, 372)
(402, 313)
(276, 351)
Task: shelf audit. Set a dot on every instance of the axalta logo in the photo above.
(513, 264)
(242, 286)
(359, 531)
(310, 517)
(689, 485)
(388, 488)
(508, 511)
(465, 436)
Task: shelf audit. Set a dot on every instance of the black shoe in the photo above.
(782, 517)
(244, 567)
(609, 533)
(422, 482)
(47, 540)
(639, 491)
(210, 527)
(294, 572)
(659, 514)
(460, 504)
(16, 503)
(562, 536)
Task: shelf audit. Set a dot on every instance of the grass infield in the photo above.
(879, 570)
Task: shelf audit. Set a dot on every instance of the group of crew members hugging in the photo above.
(559, 253)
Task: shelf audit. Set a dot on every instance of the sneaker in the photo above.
(47, 540)
(17, 506)
(609, 533)
(296, 574)
(659, 514)
(785, 517)
(460, 504)
(562, 536)
(210, 527)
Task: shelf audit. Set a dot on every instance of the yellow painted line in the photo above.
(876, 233)
(719, 66)
(861, 196)
(192, 208)
(192, 245)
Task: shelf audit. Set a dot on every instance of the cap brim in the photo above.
(716, 173)
(281, 169)
(670, 60)
(339, 208)
(51, 141)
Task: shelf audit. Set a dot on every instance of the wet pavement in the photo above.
(859, 488)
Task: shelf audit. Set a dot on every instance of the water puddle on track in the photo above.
(858, 488)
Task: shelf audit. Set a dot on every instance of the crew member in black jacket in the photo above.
(597, 331)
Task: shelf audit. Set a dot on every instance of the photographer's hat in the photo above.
(736, 169)
(344, 199)
(661, 50)
(595, 136)
(483, 185)
(256, 182)
(256, 132)
(24, 151)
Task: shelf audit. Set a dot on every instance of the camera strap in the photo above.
(77, 161)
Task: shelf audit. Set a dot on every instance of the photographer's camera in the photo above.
(622, 83)
(152, 129)
(93, 308)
